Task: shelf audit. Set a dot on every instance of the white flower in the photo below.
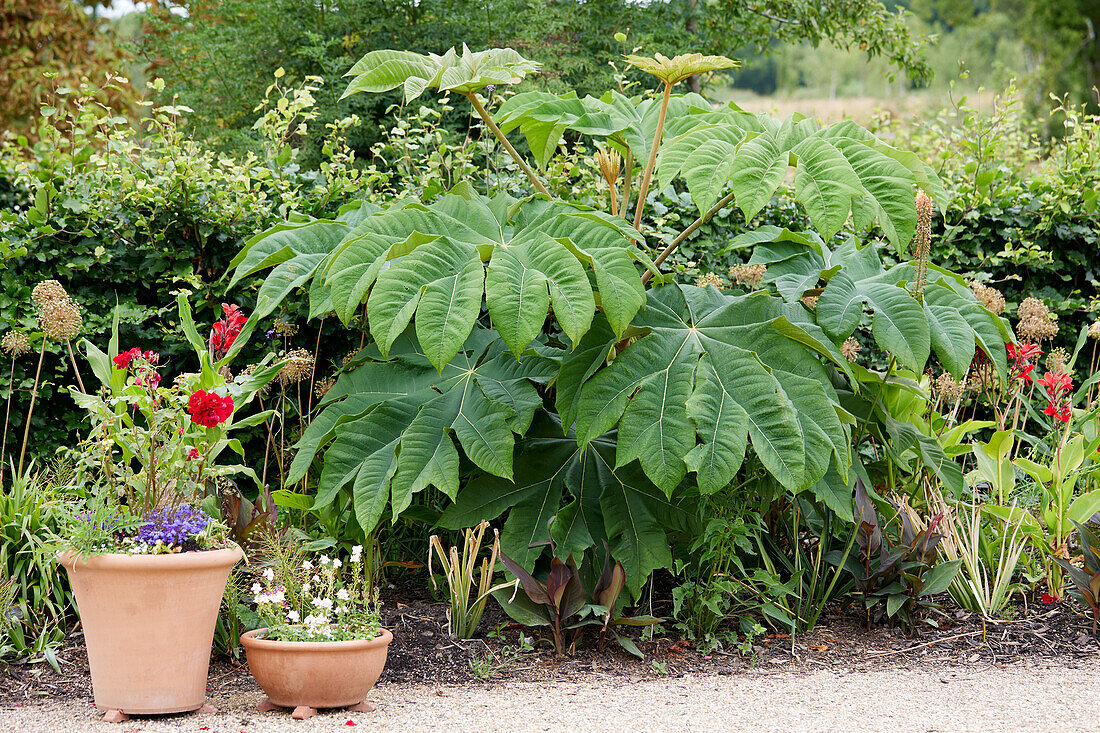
(307, 565)
(257, 588)
(356, 553)
(343, 594)
(325, 603)
(293, 617)
(325, 560)
(305, 589)
(340, 609)
(269, 574)
(336, 563)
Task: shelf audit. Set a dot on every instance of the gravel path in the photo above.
(1017, 697)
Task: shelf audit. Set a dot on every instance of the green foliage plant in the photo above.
(459, 571)
(895, 578)
(562, 602)
(521, 326)
(989, 550)
(1086, 578)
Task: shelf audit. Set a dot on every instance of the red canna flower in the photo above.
(1057, 386)
(1021, 356)
(1047, 598)
(225, 331)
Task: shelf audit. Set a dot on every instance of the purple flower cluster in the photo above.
(107, 524)
(173, 527)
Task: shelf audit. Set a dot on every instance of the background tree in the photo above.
(57, 37)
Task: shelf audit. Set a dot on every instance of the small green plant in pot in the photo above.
(147, 531)
(323, 645)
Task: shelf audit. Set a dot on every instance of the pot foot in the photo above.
(363, 707)
(302, 712)
(266, 706)
(115, 716)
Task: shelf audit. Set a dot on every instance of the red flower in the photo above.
(192, 454)
(225, 331)
(209, 409)
(123, 360)
(1047, 598)
(1021, 355)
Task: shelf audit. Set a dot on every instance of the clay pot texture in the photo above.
(316, 674)
(149, 624)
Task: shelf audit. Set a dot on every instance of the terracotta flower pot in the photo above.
(307, 675)
(148, 625)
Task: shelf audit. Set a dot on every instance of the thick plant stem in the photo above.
(76, 371)
(30, 410)
(488, 120)
(643, 190)
(726, 200)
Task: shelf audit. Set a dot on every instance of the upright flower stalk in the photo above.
(922, 244)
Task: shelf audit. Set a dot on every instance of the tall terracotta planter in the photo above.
(148, 625)
(307, 675)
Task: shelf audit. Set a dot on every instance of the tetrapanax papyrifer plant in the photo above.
(538, 338)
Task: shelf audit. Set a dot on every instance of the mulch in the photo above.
(424, 653)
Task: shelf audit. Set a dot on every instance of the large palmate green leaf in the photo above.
(626, 124)
(427, 263)
(577, 496)
(464, 73)
(711, 374)
(946, 320)
(391, 426)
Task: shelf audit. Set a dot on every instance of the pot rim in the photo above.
(221, 557)
(251, 639)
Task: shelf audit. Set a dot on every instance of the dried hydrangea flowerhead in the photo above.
(61, 320)
(711, 278)
(15, 344)
(299, 365)
(46, 292)
(850, 348)
(748, 275)
(989, 297)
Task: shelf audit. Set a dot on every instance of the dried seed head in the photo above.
(1094, 330)
(1032, 308)
(610, 163)
(711, 278)
(1057, 360)
(226, 373)
(922, 237)
(850, 348)
(948, 388)
(810, 301)
(989, 297)
(323, 386)
(299, 365)
(61, 320)
(46, 292)
(748, 275)
(15, 344)
(285, 328)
